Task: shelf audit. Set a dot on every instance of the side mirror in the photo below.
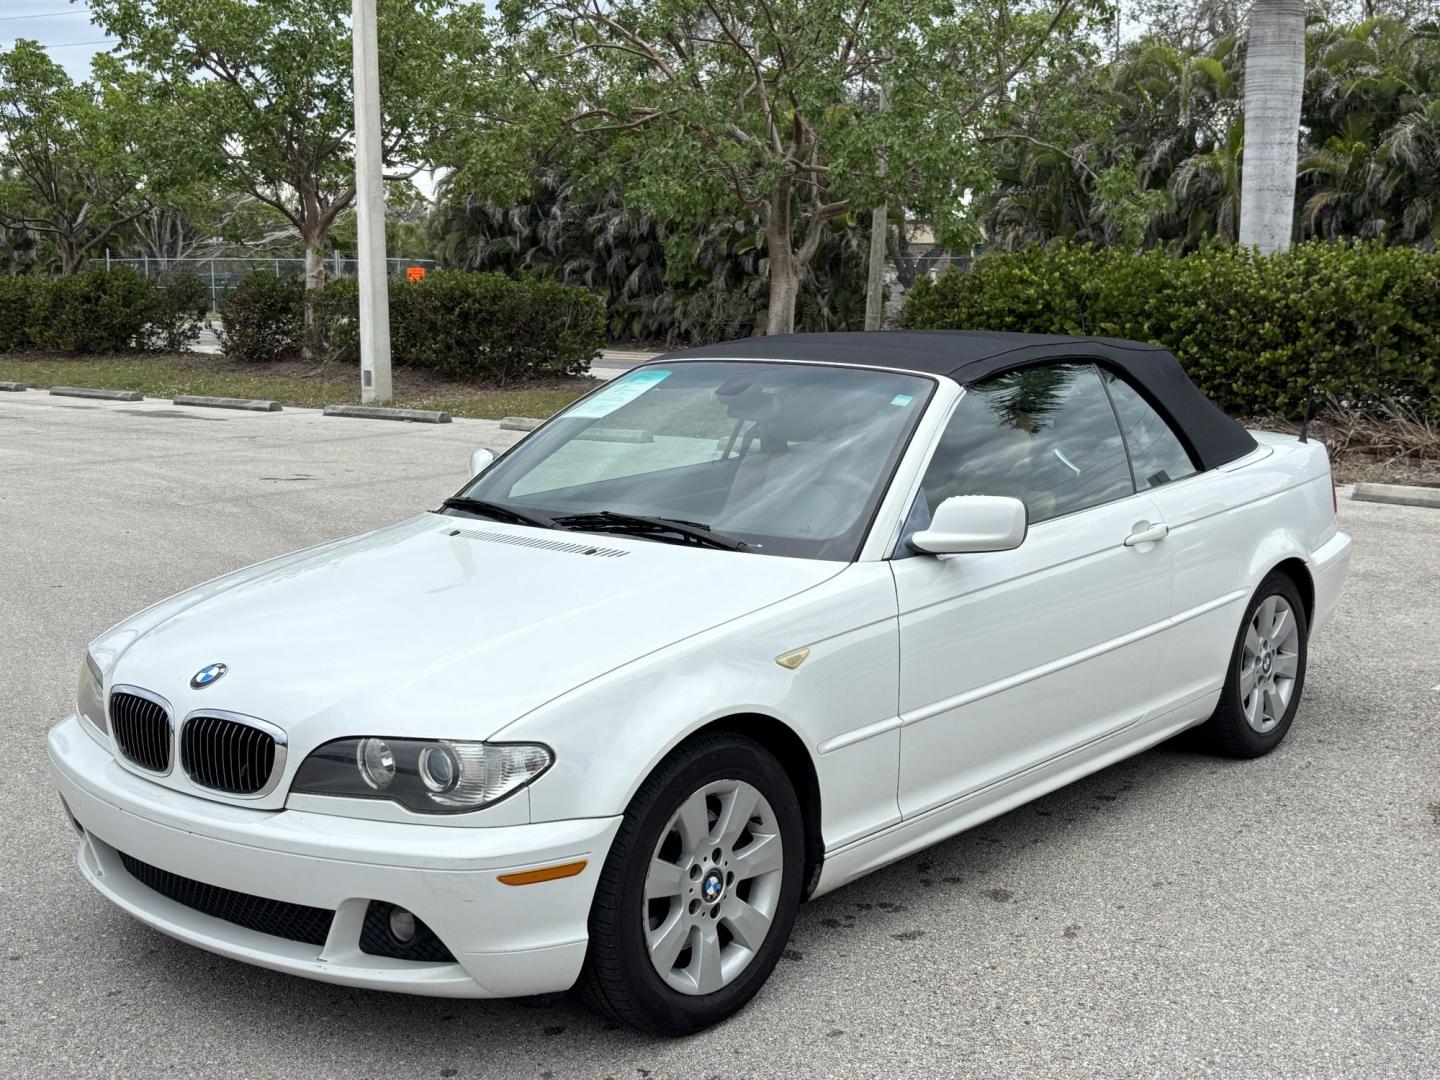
(481, 460)
(973, 523)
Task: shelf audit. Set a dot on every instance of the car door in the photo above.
(1209, 516)
(1012, 658)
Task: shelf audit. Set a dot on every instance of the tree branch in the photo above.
(1020, 136)
(1003, 78)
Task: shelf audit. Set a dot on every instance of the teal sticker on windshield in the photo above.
(902, 399)
(620, 392)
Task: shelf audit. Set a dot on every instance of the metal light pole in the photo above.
(370, 210)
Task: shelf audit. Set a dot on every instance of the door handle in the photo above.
(1147, 534)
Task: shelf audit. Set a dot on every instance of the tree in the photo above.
(262, 93)
(1350, 186)
(706, 107)
(1274, 86)
(1190, 25)
(660, 282)
(1412, 148)
(1172, 118)
(1206, 188)
(72, 175)
(196, 220)
(1112, 156)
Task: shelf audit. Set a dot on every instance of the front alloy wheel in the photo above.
(700, 889)
(713, 886)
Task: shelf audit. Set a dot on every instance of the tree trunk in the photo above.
(875, 283)
(784, 268)
(783, 290)
(1274, 83)
(314, 266)
(70, 259)
(875, 279)
(314, 282)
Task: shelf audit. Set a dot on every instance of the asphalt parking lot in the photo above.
(1175, 915)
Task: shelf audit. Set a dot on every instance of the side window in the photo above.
(1156, 453)
(1044, 435)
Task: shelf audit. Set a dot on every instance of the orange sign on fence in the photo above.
(415, 273)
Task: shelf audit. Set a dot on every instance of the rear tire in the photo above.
(1267, 673)
(681, 939)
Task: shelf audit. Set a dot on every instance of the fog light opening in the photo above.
(402, 925)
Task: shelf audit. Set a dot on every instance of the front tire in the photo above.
(1267, 672)
(699, 892)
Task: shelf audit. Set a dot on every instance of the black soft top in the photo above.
(968, 356)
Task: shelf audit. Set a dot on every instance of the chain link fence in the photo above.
(223, 271)
(936, 264)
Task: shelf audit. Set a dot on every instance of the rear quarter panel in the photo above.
(1229, 527)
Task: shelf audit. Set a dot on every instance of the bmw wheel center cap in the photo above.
(210, 673)
(712, 886)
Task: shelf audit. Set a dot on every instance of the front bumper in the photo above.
(508, 940)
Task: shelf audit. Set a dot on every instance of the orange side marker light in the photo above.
(547, 873)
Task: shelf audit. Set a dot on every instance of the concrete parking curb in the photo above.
(91, 392)
(520, 423)
(12, 386)
(248, 404)
(375, 412)
(1397, 495)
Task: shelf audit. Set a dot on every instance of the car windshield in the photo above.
(769, 458)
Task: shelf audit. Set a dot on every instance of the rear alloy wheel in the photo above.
(1267, 672)
(1269, 664)
(699, 892)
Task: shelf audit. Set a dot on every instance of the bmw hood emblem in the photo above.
(210, 673)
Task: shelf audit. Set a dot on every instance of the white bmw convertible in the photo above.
(741, 626)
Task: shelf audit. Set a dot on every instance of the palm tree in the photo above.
(1412, 148)
(1205, 190)
(1274, 85)
(1351, 186)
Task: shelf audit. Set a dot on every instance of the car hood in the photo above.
(438, 626)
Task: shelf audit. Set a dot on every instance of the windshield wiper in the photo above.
(694, 532)
(485, 508)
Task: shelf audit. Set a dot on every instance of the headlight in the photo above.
(90, 697)
(438, 776)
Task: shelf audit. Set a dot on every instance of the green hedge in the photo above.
(99, 311)
(261, 319)
(463, 325)
(1359, 322)
(181, 304)
(15, 295)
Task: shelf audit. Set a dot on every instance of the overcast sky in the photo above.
(62, 27)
